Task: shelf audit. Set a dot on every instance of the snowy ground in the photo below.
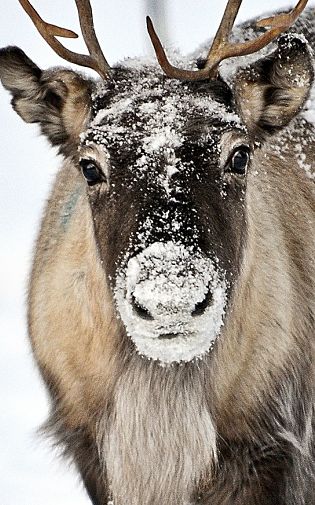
(30, 472)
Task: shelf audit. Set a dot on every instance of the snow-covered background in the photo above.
(30, 472)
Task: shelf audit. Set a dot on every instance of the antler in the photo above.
(221, 48)
(95, 60)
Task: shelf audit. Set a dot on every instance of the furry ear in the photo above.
(59, 100)
(273, 90)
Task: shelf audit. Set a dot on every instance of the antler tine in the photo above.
(282, 20)
(277, 24)
(222, 36)
(89, 35)
(169, 69)
(221, 48)
(49, 32)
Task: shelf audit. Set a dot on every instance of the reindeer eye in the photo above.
(91, 171)
(239, 161)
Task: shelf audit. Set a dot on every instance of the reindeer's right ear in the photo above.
(59, 100)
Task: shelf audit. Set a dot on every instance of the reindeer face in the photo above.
(166, 169)
(166, 166)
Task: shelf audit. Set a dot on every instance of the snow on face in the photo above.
(147, 115)
(170, 297)
(170, 281)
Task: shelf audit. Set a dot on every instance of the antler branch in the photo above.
(49, 32)
(282, 20)
(221, 48)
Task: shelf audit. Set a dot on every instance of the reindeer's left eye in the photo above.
(91, 171)
(239, 161)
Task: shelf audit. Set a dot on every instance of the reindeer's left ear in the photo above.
(272, 91)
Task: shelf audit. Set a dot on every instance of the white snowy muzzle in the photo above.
(172, 302)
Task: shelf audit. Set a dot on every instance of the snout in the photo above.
(155, 297)
(168, 303)
(171, 301)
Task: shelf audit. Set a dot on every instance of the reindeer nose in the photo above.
(171, 299)
(140, 309)
(169, 285)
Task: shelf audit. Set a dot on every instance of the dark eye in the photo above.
(239, 161)
(91, 171)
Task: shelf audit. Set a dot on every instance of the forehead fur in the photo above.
(156, 113)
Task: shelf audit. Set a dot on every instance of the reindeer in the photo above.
(171, 300)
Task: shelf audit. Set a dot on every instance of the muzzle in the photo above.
(172, 302)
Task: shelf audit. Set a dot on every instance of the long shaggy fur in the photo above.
(237, 426)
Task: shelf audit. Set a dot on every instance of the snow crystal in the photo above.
(169, 280)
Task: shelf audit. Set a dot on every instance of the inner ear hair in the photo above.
(272, 91)
(53, 99)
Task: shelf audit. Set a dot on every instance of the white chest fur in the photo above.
(159, 440)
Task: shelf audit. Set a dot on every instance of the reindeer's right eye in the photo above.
(91, 171)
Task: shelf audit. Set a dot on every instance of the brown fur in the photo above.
(88, 358)
(237, 426)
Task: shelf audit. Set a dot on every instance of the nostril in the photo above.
(201, 306)
(168, 336)
(140, 310)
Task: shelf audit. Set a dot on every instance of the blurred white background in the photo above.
(30, 472)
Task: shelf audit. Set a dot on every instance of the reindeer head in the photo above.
(166, 163)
